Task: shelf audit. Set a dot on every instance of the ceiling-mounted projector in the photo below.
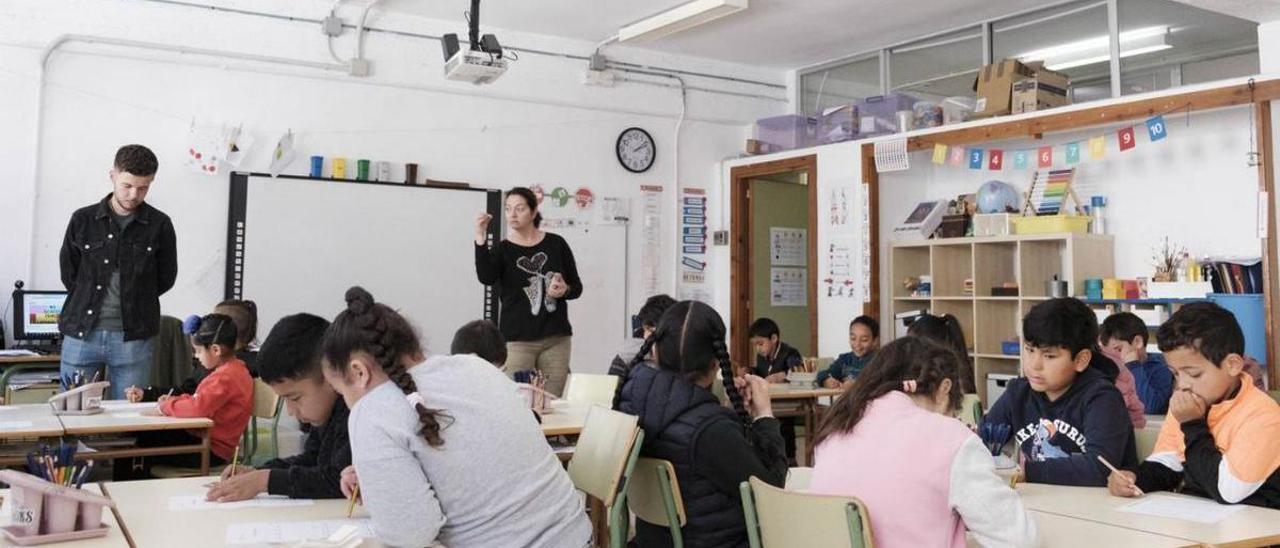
(482, 62)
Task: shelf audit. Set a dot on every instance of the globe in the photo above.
(998, 197)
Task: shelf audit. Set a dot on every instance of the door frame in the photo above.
(741, 220)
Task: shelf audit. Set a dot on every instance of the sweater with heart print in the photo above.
(522, 276)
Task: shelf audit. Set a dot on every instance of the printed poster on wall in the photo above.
(788, 287)
(841, 217)
(693, 245)
(651, 238)
(787, 246)
(841, 267)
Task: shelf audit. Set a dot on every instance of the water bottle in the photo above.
(1097, 214)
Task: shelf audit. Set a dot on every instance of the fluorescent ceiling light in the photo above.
(679, 18)
(1098, 49)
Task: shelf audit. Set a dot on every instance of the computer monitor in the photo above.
(36, 313)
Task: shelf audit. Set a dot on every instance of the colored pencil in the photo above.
(1117, 472)
(351, 506)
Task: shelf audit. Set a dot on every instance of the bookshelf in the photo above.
(1028, 260)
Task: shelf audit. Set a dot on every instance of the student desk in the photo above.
(113, 420)
(17, 364)
(566, 419)
(143, 506)
(1064, 532)
(805, 396)
(1250, 526)
(114, 538)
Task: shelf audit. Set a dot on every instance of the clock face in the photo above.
(636, 150)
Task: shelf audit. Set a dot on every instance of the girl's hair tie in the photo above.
(909, 386)
(191, 324)
(415, 399)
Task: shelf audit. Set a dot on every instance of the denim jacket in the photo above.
(145, 252)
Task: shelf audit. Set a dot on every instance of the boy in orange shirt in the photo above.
(1221, 438)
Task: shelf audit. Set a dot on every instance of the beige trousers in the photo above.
(550, 356)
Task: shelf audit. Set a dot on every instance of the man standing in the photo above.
(118, 256)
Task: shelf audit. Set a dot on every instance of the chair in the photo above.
(591, 389)
(171, 360)
(779, 518)
(266, 405)
(971, 410)
(1146, 441)
(602, 464)
(653, 495)
(798, 478)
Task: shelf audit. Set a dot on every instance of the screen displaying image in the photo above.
(41, 313)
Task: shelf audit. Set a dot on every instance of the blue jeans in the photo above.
(128, 363)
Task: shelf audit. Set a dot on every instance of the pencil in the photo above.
(234, 456)
(351, 506)
(1113, 469)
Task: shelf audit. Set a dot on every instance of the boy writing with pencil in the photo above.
(1221, 438)
(289, 362)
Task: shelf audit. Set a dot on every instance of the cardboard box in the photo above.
(1047, 89)
(995, 87)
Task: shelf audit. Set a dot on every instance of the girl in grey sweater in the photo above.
(444, 448)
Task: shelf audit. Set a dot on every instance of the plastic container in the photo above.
(788, 131)
(1248, 310)
(957, 109)
(60, 515)
(1093, 289)
(878, 115)
(27, 506)
(1010, 348)
(838, 123)
(1098, 215)
(927, 114)
(1050, 224)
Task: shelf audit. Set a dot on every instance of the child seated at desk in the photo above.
(245, 315)
(1221, 438)
(289, 363)
(1065, 410)
(774, 358)
(483, 339)
(946, 329)
(443, 449)
(1124, 333)
(864, 337)
(224, 396)
(922, 489)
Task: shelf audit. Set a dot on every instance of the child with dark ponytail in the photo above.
(713, 448)
(893, 442)
(946, 329)
(442, 448)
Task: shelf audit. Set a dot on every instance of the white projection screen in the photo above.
(296, 244)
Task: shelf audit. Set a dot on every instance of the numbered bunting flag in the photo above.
(1156, 128)
(1097, 147)
(1073, 153)
(957, 156)
(996, 160)
(939, 154)
(975, 158)
(1020, 159)
(1125, 136)
(1045, 157)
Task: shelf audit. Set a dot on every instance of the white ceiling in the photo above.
(770, 33)
(1260, 11)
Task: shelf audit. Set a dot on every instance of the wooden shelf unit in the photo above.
(1029, 260)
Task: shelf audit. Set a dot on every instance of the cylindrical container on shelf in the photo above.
(411, 174)
(1056, 288)
(1093, 288)
(906, 120)
(1098, 215)
(382, 171)
(362, 170)
(317, 166)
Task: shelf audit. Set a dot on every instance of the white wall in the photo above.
(1269, 47)
(537, 125)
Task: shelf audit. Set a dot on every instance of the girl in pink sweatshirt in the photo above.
(893, 442)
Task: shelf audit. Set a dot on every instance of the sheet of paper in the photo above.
(121, 405)
(14, 425)
(16, 353)
(197, 502)
(275, 532)
(1199, 511)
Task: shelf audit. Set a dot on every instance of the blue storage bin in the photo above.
(1249, 313)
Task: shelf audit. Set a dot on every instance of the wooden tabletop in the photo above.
(114, 538)
(144, 508)
(113, 419)
(1248, 526)
(28, 421)
(1064, 532)
(792, 391)
(565, 419)
(45, 358)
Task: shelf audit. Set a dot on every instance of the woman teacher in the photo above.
(535, 275)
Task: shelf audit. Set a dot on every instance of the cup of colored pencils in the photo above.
(57, 465)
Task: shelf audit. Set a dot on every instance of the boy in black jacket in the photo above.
(289, 362)
(1065, 410)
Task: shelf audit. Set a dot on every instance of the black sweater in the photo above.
(315, 473)
(521, 276)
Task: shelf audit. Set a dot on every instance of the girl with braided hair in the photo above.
(713, 448)
(892, 441)
(443, 449)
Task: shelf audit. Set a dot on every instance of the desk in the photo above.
(114, 538)
(1250, 526)
(143, 506)
(110, 421)
(18, 364)
(1064, 532)
(805, 395)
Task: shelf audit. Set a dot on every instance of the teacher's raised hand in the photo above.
(482, 227)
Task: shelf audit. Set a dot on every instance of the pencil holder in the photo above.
(44, 512)
(85, 400)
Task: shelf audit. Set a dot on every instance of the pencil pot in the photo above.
(59, 515)
(90, 516)
(72, 403)
(26, 508)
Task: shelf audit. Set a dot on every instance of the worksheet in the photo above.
(1184, 508)
(276, 532)
(197, 502)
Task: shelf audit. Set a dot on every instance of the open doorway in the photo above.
(773, 254)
